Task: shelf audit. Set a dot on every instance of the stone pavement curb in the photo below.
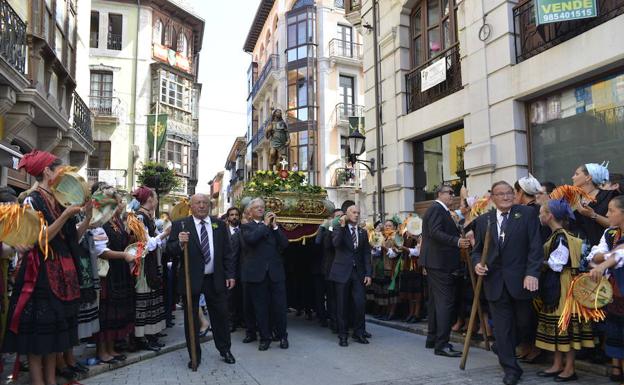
(421, 329)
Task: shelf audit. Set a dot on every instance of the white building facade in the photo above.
(306, 59)
(476, 92)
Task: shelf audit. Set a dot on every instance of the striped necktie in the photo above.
(205, 242)
(354, 236)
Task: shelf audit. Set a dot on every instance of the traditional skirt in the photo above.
(149, 308)
(410, 282)
(579, 334)
(116, 303)
(88, 320)
(614, 344)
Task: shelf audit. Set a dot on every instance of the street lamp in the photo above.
(356, 148)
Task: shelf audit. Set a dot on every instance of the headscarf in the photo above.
(530, 185)
(560, 209)
(598, 172)
(142, 194)
(36, 161)
(471, 200)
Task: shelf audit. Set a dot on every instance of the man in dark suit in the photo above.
(440, 255)
(235, 297)
(511, 271)
(262, 271)
(211, 268)
(441, 241)
(324, 238)
(350, 272)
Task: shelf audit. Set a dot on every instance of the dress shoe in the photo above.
(367, 334)
(494, 348)
(264, 345)
(276, 338)
(573, 377)
(360, 339)
(248, 338)
(447, 352)
(190, 364)
(343, 341)
(429, 345)
(511, 379)
(284, 343)
(543, 373)
(228, 357)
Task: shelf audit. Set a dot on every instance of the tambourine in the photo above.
(134, 248)
(592, 294)
(376, 239)
(104, 206)
(20, 225)
(70, 188)
(413, 225)
(181, 210)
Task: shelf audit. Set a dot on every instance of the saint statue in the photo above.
(277, 135)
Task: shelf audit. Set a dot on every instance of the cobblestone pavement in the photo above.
(393, 358)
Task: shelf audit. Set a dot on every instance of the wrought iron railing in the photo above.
(12, 37)
(81, 119)
(104, 105)
(346, 177)
(114, 41)
(416, 98)
(345, 48)
(259, 136)
(532, 39)
(271, 65)
(344, 110)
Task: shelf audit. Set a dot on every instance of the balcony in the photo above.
(114, 41)
(346, 177)
(416, 98)
(114, 177)
(532, 40)
(345, 51)
(104, 107)
(271, 67)
(82, 123)
(343, 111)
(259, 136)
(352, 5)
(12, 38)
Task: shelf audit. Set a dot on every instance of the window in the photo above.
(101, 156)
(178, 155)
(586, 120)
(61, 11)
(433, 28)
(344, 45)
(436, 161)
(58, 44)
(301, 93)
(301, 33)
(344, 147)
(114, 32)
(157, 33)
(175, 90)
(299, 150)
(183, 44)
(347, 97)
(101, 93)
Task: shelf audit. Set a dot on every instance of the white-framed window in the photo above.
(175, 91)
(157, 32)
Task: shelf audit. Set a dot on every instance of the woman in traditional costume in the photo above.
(117, 285)
(387, 294)
(149, 299)
(44, 305)
(562, 252)
(410, 278)
(608, 258)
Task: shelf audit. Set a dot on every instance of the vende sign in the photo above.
(552, 11)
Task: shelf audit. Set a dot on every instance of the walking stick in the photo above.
(189, 307)
(479, 310)
(475, 300)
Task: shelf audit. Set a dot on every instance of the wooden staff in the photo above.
(475, 300)
(189, 307)
(473, 281)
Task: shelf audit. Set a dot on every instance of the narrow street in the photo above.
(392, 358)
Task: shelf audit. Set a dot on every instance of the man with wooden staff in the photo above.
(511, 273)
(211, 271)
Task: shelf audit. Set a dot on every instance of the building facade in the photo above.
(40, 103)
(306, 59)
(235, 170)
(475, 92)
(143, 68)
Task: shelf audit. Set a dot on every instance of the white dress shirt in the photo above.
(603, 248)
(232, 229)
(208, 267)
(499, 221)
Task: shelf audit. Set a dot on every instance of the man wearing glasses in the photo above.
(511, 271)
(441, 257)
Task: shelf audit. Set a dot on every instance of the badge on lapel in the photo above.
(517, 215)
(215, 225)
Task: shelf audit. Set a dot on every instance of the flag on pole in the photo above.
(159, 127)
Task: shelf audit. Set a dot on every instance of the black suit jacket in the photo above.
(440, 236)
(346, 255)
(224, 262)
(520, 254)
(261, 252)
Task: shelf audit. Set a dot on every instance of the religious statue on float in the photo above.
(277, 135)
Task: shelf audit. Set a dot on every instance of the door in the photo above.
(345, 41)
(347, 97)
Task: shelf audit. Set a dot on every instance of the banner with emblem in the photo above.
(159, 127)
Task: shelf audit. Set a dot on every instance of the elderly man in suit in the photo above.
(262, 271)
(211, 268)
(441, 241)
(350, 272)
(511, 271)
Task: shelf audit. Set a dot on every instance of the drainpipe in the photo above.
(133, 109)
(380, 203)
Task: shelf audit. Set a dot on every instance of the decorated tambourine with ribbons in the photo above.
(104, 206)
(139, 251)
(181, 210)
(20, 225)
(70, 188)
(413, 225)
(575, 196)
(585, 299)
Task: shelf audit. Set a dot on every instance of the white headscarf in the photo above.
(530, 185)
(598, 172)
